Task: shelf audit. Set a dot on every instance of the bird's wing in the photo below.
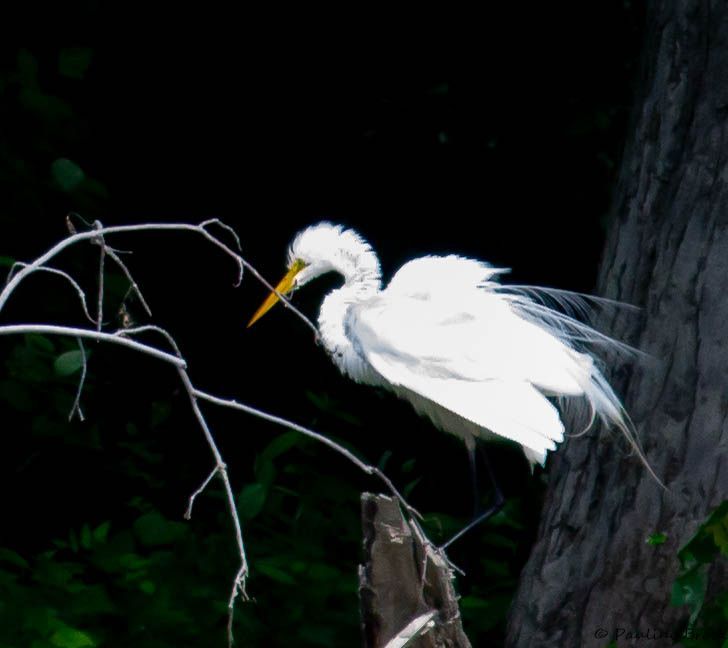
(461, 346)
(446, 318)
(514, 410)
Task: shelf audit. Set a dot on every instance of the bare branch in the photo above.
(13, 282)
(157, 329)
(365, 467)
(226, 227)
(238, 588)
(65, 275)
(112, 254)
(102, 257)
(124, 337)
(193, 497)
(114, 338)
(76, 407)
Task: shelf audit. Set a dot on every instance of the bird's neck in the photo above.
(359, 266)
(362, 281)
(333, 332)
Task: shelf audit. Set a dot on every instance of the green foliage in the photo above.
(36, 373)
(140, 576)
(68, 363)
(656, 539)
(73, 62)
(708, 618)
(158, 582)
(67, 174)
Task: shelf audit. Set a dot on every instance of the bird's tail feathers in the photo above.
(571, 302)
(606, 406)
(537, 305)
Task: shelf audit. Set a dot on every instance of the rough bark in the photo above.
(591, 571)
(397, 599)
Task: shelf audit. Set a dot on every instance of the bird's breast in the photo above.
(332, 328)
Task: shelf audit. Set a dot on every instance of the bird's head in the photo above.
(313, 252)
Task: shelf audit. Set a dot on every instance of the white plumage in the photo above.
(476, 357)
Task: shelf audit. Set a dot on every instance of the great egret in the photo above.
(477, 357)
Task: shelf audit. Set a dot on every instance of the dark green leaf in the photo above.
(409, 487)
(386, 456)
(281, 444)
(265, 472)
(275, 573)
(86, 537)
(39, 342)
(74, 61)
(710, 539)
(689, 588)
(323, 572)
(101, 532)
(409, 465)
(153, 529)
(71, 638)
(67, 174)
(10, 557)
(68, 363)
(148, 587)
(251, 500)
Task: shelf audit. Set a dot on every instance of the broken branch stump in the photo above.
(406, 592)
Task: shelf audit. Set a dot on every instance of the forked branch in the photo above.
(98, 234)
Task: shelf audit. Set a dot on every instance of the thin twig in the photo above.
(76, 407)
(238, 588)
(226, 227)
(365, 467)
(112, 254)
(69, 278)
(193, 497)
(122, 337)
(102, 257)
(150, 227)
(156, 329)
(426, 542)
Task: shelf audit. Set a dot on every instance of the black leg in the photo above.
(474, 478)
(498, 499)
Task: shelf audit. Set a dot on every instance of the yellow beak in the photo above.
(284, 287)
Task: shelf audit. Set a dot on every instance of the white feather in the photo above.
(476, 357)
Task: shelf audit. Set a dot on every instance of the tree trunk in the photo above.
(591, 572)
(405, 586)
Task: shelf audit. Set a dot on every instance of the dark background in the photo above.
(496, 137)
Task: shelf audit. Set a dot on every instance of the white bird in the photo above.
(477, 357)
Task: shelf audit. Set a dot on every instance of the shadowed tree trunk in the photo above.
(591, 572)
